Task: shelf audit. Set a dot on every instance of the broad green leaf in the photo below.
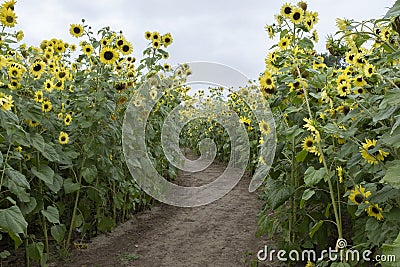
(392, 250)
(57, 183)
(307, 194)
(17, 178)
(89, 173)
(313, 177)
(392, 175)
(384, 113)
(51, 214)
(105, 224)
(13, 222)
(28, 207)
(45, 173)
(315, 228)
(58, 232)
(394, 10)
(35, 250)
(37, 142)
(4, 254)
(70, 186)
(301, 156)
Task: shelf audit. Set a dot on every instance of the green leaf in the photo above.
(392, 174)
(45, 173)
(394, 10)
(37, 142)
(70, 186)
(313, 177)
(301, 156)
(28, 207)
(4, 254)
(307, 194)
(51, 214)
(57, 183)
(35, 250)
(89, 173)
(105, 224)
(315, 228)
(384, 113)
(392, 249)
(58, 232)
(17, 178)
(13, 222)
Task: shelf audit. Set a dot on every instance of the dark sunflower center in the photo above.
(351, 57)
(371, 147)
(167, 40)
(284, 44)
(125, 48)
(360, 90)
(309, 143)
(46, 106)
(346, 110)
(9, 19)
(375, 210)
(14, 73)
(48, 85)
(77, 30)
(287, 10)
(148, 35)
(37, 67)
(59, 84)
(155, 44)
(108, 55)
(62, 74)
(88, 49)
(120, 42)
(268, 82)
(309, 23)
(296, 16)
(359, 198)
(63, 138)
(370, 70)
(359, 79)
(155, 37)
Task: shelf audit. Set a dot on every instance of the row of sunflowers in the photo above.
(335, 176)
(63, 177)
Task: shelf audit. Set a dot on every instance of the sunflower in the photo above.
(63, 138)
(46, 106)
(14, 84)
(310, 125)
(76, 30)
(6, 102)
(33, 124)
(167, 39)
(120, 41)
(48, 85)
(155, 36)
(297, 15)
(167, 67)
(308, 144)
(20, 35)
(267, 83)
(369, 69)
(286, 10)
(126, 48)
(108, 55)
(284, 43)
(8, 17)
(270, 31)
(148, 35)
(350, 57)
(38, 97)
(67, 119)
(15, 71)
(37, 68)
(87, 49)
(369, 153)
(344, 89)
(359, 81)
(265, 128)
(358, 195)
(375, 211)
(156, 44)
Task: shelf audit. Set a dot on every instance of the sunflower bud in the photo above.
(302, 5)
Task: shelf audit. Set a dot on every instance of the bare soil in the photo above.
(218, 234)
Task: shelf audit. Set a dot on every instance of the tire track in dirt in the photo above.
(218, 234)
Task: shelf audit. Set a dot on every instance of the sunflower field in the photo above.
(336, 172)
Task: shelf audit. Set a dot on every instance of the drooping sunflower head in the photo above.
(375, 211)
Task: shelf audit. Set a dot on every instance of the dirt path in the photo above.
(219, 234)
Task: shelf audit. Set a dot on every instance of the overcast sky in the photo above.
(227, 32)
